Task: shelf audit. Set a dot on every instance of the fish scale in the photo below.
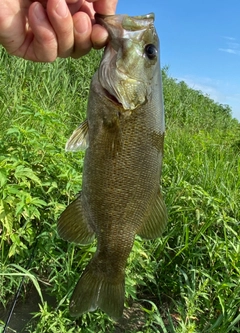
(123, 136)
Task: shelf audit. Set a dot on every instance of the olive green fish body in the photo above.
(124, 134)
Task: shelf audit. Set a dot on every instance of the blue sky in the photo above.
(200, 42)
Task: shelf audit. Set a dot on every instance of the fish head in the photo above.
(131, 59)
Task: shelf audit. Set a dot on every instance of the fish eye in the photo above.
(151, 51)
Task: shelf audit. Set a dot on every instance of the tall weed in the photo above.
(186, 281)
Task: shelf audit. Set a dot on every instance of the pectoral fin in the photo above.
(155, 220)
(79, 139)
(73, 226)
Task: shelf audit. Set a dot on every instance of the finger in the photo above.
(62, 23)
(105, 7)
(75, 1)
(12, 26)
(99, 36)
(74, 5)
(40, 43)
(42, 2)
(82, 34)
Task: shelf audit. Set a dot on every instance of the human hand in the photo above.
(47, 29)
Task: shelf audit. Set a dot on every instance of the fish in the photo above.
(123, 137)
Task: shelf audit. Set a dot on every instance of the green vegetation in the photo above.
(188, 281)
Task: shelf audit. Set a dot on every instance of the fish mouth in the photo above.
(117, 24)
(130, 23)
(122, 84)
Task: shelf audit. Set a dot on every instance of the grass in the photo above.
(186, 281)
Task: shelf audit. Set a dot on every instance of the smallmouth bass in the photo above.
(123, 136)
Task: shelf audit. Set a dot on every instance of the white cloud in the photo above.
(207, 85)
(220, 91)
(229, 38)
(231, 51)
(232, 47)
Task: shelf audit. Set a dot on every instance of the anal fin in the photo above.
(72, 224)
(155, 220)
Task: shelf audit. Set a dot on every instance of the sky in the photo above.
(200, 43)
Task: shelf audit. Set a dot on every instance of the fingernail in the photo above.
(61, 8)
(39, 12)
(82, 25)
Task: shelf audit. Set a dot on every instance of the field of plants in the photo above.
(187, 281)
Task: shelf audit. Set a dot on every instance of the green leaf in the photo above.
(3, 177)
(13, 130)
(27, 274)
(23, 172)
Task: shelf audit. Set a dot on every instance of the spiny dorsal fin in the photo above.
(156, 219)
(79, 139)
(73, 226)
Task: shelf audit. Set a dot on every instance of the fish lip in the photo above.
(100, 19)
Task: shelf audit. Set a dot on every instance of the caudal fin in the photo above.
(94, 291)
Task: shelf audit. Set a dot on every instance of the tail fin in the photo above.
(95, 290)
